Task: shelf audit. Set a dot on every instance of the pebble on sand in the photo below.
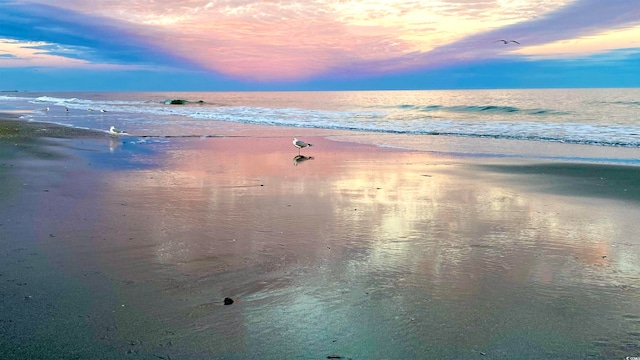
(228, 301)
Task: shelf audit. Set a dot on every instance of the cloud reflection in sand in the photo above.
(368, 239)
(448, 228)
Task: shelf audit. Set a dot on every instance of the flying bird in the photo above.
(507, 41)
(115, 132)
(300, 144)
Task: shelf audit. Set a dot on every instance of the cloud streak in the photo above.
(580, 19)
(289, 40)
(94, 39)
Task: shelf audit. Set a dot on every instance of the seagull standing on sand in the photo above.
(300, 144)
(507, 41)
(115, 132)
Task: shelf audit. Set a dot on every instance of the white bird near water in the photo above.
(115, 132)
(300, 144)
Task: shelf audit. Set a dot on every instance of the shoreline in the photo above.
(129, 249)
(445, 146)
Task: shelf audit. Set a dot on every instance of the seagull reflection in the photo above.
(301, 158)
(114, 143)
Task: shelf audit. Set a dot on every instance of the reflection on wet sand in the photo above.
(301, 158)
(366, 249)
(114, 144)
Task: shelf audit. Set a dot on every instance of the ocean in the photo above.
(474, 122)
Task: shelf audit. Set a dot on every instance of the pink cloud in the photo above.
(293, 39)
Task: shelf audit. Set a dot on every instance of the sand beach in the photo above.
(117, 249)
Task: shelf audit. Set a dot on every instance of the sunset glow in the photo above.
(587, 45)
(292, 41)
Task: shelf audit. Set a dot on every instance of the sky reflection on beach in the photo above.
(356, 249)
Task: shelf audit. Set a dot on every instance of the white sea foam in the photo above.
(75, 101)
(13, 98)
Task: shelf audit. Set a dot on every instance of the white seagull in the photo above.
(300, 144)
(115, 132)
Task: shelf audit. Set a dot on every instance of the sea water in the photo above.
(420, 120)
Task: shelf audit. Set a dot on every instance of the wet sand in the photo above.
(125, 248)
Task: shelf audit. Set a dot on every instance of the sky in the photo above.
(231, 45)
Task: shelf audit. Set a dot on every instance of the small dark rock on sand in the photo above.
(228, 301)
